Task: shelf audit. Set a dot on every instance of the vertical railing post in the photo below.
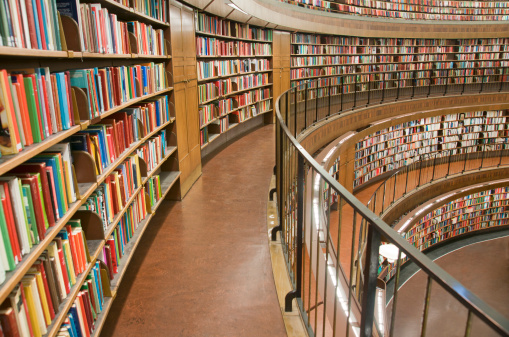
(300, 214)
(429, 81)
(483, 154)
(434, 165)
(414, 81)
(397, 90)
(306, 106)
(482, 79)
(394, 192)
(501, 79)
(342, 84)
(369, 89)
(447, 81)
(383, 88)
(316, 104)
(330, 95)
(370, 281)
(355, 93)
(295, 110)
(448, 165)
(464, 80)
(406, 183)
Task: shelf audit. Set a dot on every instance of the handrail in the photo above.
(300, 236)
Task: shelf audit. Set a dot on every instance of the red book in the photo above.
(104, 87)
(56, 102)
(107, 256)
(81, 245)
(113, 188)
(8, 321)
(38, 12)
(40, 268)
(40, 168)
(36, 200)
(74, 250)
(84, 317)
(114, 262)
(31, 23)
(26, 310)
(45, 101)
(25, 117)
(51, 181)
(11, 225)
(14, 137)
(63, 265)
(91, 290)
(85, 295)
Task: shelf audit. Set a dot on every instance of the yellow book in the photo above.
(42, 294)
(68, 260)
(28, 288)
(119, 195)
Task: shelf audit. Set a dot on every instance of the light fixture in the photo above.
(390, 252)
(234, 6)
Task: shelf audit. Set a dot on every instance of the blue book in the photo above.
(78, 142)
(52, 162)
(101, 131)
(98, 91)
(97, 272)
(64, 108)
(73, 318)
(108, 82)
(79, 78)
(145, 80)
(49, 43)
(56, 27)
(69, 329)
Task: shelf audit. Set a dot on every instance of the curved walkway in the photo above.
(203, 266)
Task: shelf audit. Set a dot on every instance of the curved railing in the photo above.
(336, 297)
(413, 10)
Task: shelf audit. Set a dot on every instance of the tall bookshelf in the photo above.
(394, 63)
(469, 214)
(401, 144)
(234, 63)
(414, 10)
(149, 158)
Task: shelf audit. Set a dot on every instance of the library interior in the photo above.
(253, 168)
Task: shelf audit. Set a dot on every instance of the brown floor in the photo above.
(483, 268)
(203, 267)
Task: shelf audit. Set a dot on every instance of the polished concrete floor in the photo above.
(203, 266)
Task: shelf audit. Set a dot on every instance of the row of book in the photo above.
(445, 7)
(34, 104)
(216, 68)
(448, 14)
(34, 303)
(211, 46)
(154, 190)
(109, 87)
(214, 25)
(113, 194)
(154, 150)
(102, 32)
(30, 24)
(35, 196)
(213, 90)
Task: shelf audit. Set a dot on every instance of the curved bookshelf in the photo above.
(230, 86)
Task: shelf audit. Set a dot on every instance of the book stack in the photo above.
(33, 304)
(153, 151)
(154, 191)
(114, 193)
(34, 104)
(30, 24)
(107, 88)
(115, 246)
(207, 113)
(88, 304)
(154, 9)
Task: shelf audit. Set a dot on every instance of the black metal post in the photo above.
(330, 95)
(447, 81)
(429, 81)
(394, 192)
(342, 83)
(406, 184)
(300, 213)
(369, 89)
(464, 80)
(355, 93)
(434, 165)
(306, 106)
(399, 79)
(482, 79)
(483, 154)
(414, 80)
(370, 281)
(448, 166)
(383, 87)
(316, 104)
(295, 110)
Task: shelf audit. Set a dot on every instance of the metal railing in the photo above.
(334, 295)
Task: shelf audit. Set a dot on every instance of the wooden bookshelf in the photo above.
(390, 63)
(411, 10)
(233, 87)
(387, 149)
(167, 168)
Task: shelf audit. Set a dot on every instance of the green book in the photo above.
(4, 28)
(30, 212)
(5, 245)
(31, 242)
(39, 183)
(32, 109)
